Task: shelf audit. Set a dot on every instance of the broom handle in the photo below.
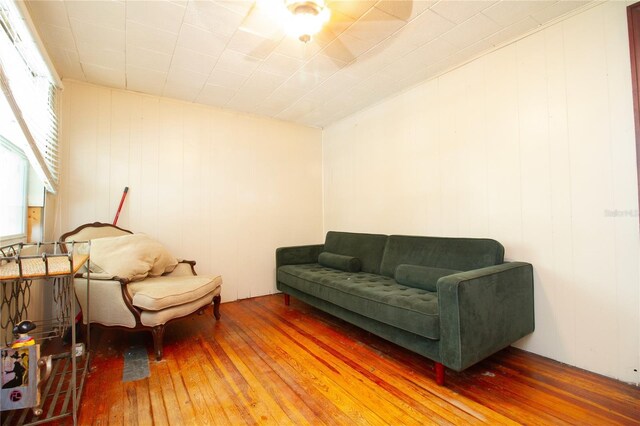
(124, 195)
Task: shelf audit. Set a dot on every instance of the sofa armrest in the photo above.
(298, 255)
(483, 311)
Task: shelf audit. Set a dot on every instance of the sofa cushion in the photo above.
(153, 318)
(339, 261)
(423, 277)
(373, 296)
(366, 247)
(461, 254)
(155, 294)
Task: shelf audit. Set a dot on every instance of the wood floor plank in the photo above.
(169, 395)
(510, 411)
(256, 391)
(518, 412)
(228, 408)
(294, 407)
(418, 391)
(370, 386)
(98, 385)
(200, 397)
(130, 404)
(323, 409)
(584, 408)
(185, 405)
(266, 363)
(365, 392)
(158, 411)
(420, 383)
(239, 386)
(362, 387)
(314, 369)
(578, 386)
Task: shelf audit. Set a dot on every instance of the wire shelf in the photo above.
(56, 264)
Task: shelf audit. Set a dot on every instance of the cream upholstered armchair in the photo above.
(126, 296)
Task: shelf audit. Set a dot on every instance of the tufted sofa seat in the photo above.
(370, 295)
(453, 300)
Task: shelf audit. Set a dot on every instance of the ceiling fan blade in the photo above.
(345, 46)
(260, 29)
(249, 14)
(339, 53)
(399, 8)
(262, 50)
(405, 10)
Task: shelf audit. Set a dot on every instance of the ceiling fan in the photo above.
(306, 18)
(301, 19)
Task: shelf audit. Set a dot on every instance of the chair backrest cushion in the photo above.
(132, 256)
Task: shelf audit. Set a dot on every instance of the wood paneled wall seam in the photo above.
(531, 145)
(223, 188)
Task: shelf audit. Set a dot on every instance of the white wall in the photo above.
(531, 145)
(222, 188)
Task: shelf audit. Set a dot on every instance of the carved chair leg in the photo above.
(158, 334)
(216, 306)
(287, 299)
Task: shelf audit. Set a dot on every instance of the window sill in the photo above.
(12, 239)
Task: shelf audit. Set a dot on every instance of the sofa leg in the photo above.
(158, 335)
(216, 306)
(287, 299)
(439, 374)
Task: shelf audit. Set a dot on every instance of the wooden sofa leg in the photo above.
(287, 299)
(158, 335)
(216, 306)
(439, 374)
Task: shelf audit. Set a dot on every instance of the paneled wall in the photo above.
(222, 188)
(532, 145)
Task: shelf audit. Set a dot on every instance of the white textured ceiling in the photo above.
(232, 53)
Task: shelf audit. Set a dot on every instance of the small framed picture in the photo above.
(19, 378)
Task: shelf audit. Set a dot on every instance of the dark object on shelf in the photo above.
(66, 337)
(24, 327)
(20, 332)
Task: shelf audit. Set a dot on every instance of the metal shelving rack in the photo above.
(20, 265)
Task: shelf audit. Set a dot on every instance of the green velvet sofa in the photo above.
(453, 300)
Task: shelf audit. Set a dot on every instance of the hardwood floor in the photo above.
(265, 363)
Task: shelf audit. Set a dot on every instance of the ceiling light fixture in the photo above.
(306, 18)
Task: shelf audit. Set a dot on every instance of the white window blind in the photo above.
(30, 91)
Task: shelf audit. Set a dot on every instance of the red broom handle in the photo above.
(124, 195)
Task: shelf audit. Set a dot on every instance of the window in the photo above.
(29, 88)
(13, 202)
